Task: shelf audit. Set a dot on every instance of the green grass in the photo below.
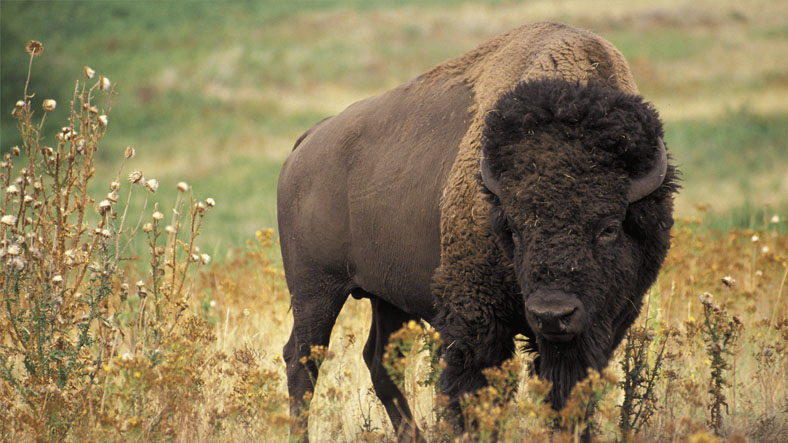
(737, 155)
(659, 45)
(216, 93)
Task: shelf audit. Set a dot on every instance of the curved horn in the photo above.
(643, 186)
(488, 177)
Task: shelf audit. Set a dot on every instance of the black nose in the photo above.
(554, 314)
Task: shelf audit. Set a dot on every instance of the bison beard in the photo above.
(564, 366)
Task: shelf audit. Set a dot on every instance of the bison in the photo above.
(520, 188)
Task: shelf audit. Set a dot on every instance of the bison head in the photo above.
(581, 194)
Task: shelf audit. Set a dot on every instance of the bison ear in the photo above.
(488, 177)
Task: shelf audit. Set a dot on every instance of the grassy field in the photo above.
(215, 94)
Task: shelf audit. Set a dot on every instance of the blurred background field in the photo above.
(215, 93)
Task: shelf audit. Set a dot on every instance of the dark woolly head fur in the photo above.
(563, 155)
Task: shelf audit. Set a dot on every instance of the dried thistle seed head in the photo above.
(113, 196)
(8, 220)
(104, 83)
(14, 250)
(159, 250)
(195, 257)
(152, 185)
(171, 229)
(66, 133)
(210, 202)
(115, 185)
(15, 151)
(103, 120)
(19, 104)
(755, 238)
(49, 105)
(27, 199)
(147, 227)
(129, 153)
(205, 259)
(141, 292)
(200, 206)
(57, 279)
(775, 218)
(705, 299)
(135, 177)
(34, 48)
(104, 207)
(93, 110)
(17, 263)
(89, 73)
(158, 216)
(183, 186)
(728, 281)
(102, 232)
(12, 190)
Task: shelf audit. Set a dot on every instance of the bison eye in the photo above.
(609, 232)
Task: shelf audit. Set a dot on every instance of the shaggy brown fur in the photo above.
(560, 153)
(542, 50)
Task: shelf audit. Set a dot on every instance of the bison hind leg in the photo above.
(387, 319)
(314, 315)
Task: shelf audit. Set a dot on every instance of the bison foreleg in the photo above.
(467, 354)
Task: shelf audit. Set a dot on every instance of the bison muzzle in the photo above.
(521, 188)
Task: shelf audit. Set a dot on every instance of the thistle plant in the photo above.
(719, 335)
(71, 323)
(641, 364)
